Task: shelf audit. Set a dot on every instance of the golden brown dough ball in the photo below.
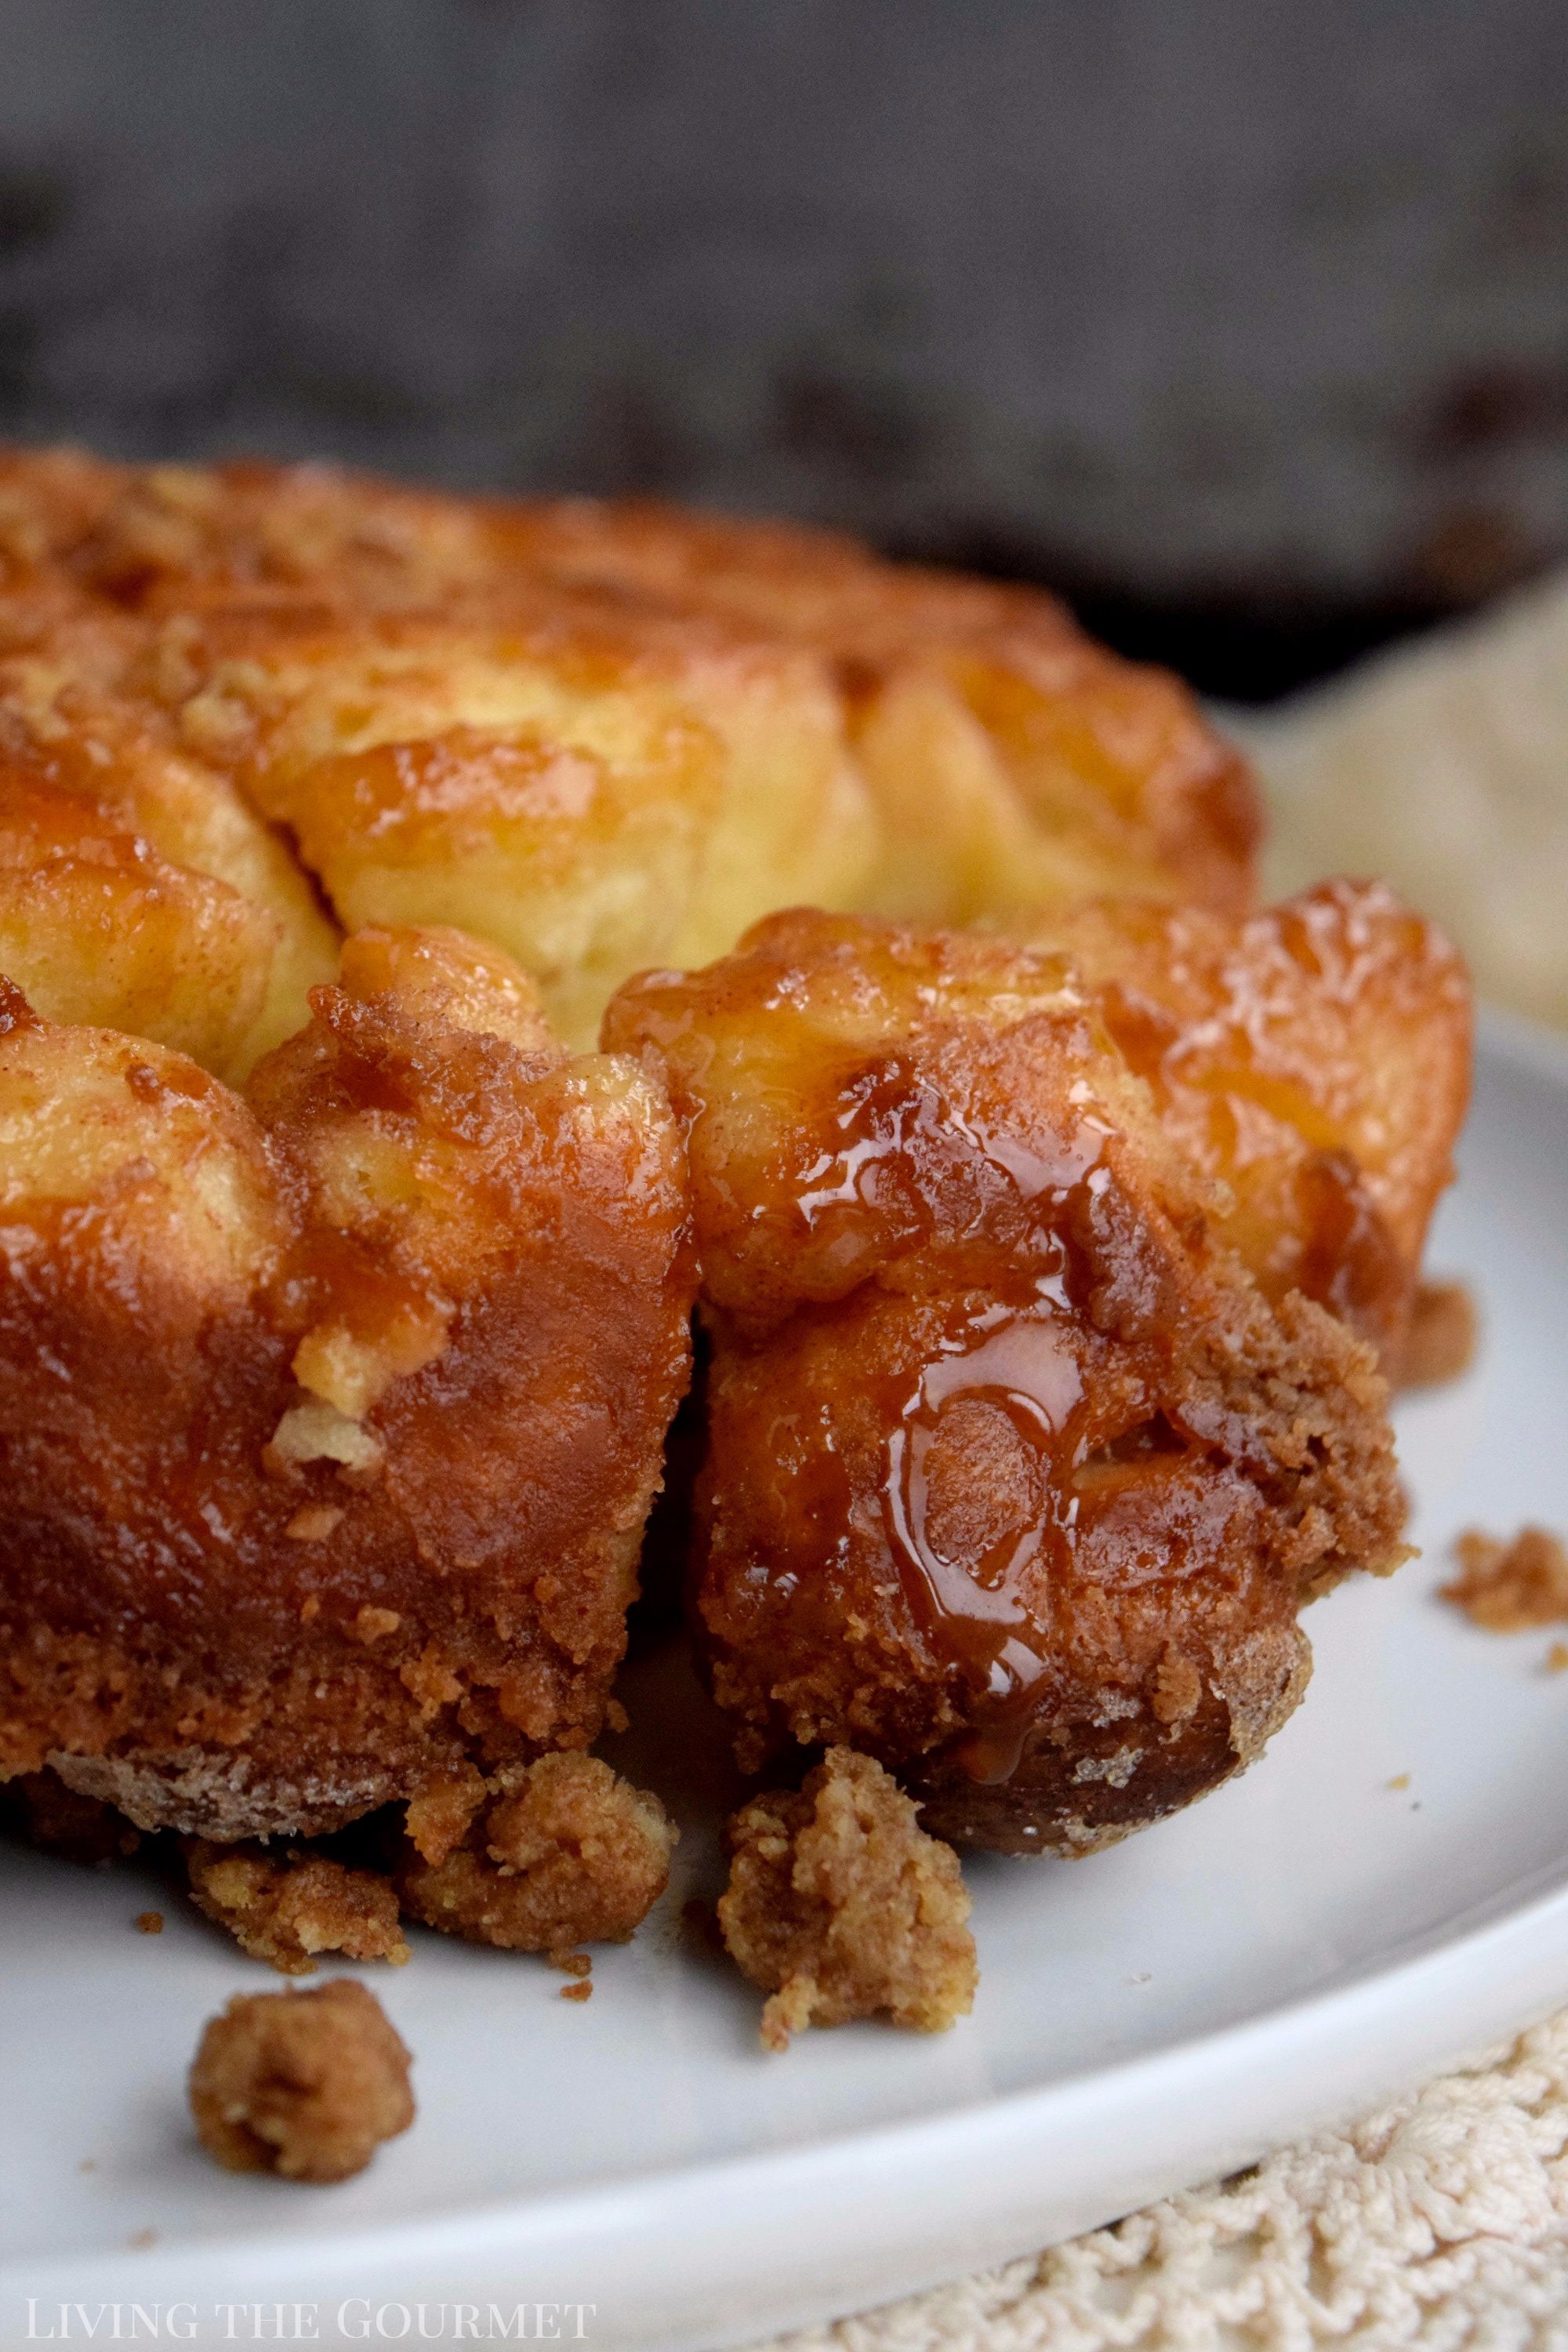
(588, 794)
(137, 889)
(606, 735)
(1315, 1059)
(1014, 764)
(329, 1416)
(1015, 1479)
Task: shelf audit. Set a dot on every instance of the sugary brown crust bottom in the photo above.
(327, 1742)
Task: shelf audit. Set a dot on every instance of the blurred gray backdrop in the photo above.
(1243, 322)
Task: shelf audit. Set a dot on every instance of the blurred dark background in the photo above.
(1244, 323)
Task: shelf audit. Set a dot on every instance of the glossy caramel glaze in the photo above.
(1013, 763)
(598, 736)
(329, 1416)
(1015, 1478)
(1315, 1058)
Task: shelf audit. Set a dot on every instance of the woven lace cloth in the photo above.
(1441, 2222)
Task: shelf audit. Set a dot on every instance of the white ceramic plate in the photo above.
(1388, 1888)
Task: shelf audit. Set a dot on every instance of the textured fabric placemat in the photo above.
(1441, 2221)
(1443, 767)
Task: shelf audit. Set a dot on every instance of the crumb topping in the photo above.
(1178, 1687)
(1511, 1587)
(839, 1905)
(288, 1909)
(307, 2084)
(562, 1854)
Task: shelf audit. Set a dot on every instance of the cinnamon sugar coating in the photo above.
(839, 1905)
(598, 735)
(565, 1854)
(329, 1415)
(307, 2084)
(1015, 1478)
(289, 1908)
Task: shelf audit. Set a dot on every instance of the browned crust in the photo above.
(235, 1604)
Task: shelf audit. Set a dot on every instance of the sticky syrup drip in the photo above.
(975, 1609)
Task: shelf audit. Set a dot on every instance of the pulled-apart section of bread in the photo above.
(1015, 1478)
(329, 1416)
(605, 735)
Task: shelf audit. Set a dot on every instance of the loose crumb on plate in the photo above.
(149, 1923)
(839, 1905)
(567, 1852)
(1400, 1781)
(582, 1991)
(1441, 1341)
(1556, 1660)
(289, 1909)
(307, 2084)
(1510, 1588)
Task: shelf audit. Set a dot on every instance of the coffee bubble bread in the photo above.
(341, 1311)
(609, 734)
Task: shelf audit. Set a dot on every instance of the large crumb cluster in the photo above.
(839, 1905)
(567, 1853)
(307, 2084)
(1513, 1586)
(291, 1908)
